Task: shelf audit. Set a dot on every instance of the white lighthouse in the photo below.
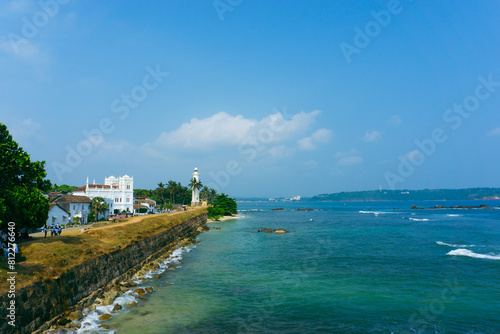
(195, 198)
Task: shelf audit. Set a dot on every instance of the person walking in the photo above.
(45, 230)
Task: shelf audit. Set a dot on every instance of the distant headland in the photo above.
(411, 195)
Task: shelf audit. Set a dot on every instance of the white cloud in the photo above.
(348, 158)
(494, 132)
(306, 144)
(371, 136)
(395, 120)
(224, 130)
(23, 49)
(22, 128)
(320, 136)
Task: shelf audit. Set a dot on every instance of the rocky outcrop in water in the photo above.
(268, 230)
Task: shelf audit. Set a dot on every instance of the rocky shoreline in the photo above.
(74, 318)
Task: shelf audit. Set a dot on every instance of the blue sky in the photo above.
(267, 98)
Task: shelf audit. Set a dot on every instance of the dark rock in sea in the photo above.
(278, 209)
(117, 307)
(266, 230)
(306, 209)
(140, 291)
(278, 230)
(105, 316)
(134, 303)
(63, 322)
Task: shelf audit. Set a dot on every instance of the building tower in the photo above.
(195, 198)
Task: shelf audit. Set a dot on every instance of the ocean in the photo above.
(353, 267)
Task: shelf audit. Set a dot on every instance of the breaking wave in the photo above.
(466, 252)
(454, 246)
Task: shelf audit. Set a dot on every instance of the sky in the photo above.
(267, 98)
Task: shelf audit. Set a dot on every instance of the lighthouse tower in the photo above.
(195, 198)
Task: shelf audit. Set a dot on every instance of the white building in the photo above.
(68, 209)
(195, 196)
(147, 203)
(118, 193)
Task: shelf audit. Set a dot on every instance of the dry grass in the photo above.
(46, 258)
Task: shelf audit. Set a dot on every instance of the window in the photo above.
(128, 199)
(53, 219)
(128, 186)
(82, 206)
(74, 207)
(117, 200)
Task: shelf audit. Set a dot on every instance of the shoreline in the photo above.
(92, 261)
(222, 219)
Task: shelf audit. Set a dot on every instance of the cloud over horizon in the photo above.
(225, 130)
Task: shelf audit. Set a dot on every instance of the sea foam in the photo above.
(419, 219)
(454, 246)
(466, 252)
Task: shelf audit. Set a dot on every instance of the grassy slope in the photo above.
(45, 258)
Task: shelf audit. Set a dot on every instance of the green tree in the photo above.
(22, 182)
(172, 188)
(63, 188)
(226, 204)
(99, 205)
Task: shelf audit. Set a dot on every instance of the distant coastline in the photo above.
(412, 195)
(380, 195)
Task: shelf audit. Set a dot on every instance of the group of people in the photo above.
(54, 230)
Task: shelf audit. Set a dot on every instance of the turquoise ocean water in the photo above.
(354, 267)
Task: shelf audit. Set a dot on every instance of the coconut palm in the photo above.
(172, 189)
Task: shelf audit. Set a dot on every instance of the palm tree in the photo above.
(212, 193)
(161, 192)
(172, 188)
(204, 193)
(195, 184)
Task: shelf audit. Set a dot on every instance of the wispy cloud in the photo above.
(371, 136)
(395, 120)
(320, 136)
(494, 132)
(348, 158)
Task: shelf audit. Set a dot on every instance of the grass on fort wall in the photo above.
(47, 258)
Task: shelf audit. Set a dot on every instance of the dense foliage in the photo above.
(223, 205)
(22, 182)
(413, 195)
(99, 206)
(64, 188)
(172, 192)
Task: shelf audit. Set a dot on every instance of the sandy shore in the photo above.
(222, 219)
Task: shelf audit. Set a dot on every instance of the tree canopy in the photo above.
(223, 205)
(22, 182)
(99, 205)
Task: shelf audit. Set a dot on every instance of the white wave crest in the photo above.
(466, 252)
(453, 215)
(420, 219)
(454, 246)
(376, 213)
